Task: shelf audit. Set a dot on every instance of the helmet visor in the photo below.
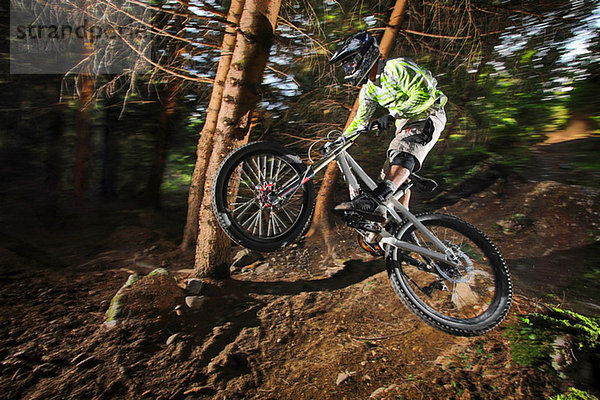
(352, 64)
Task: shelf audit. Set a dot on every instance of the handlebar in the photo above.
(340, 141)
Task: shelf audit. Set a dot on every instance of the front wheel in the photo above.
(465, 300)
(246, 184)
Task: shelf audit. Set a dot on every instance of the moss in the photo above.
(585, 330)
(122, 302)
(159, 271)
(116, 307)
(529, 345)
(515, 223)
(575, 394)
(532, 337)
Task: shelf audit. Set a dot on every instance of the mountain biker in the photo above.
(414, 104)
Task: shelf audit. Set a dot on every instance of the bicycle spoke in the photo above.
(264, 167)
(260, 220)
(247, 222)
(244, 172)
(256, 169)
(243, 182)
(243, 206)
(287, 214)
(255, 222)
(270, 226)
(293, 179)
(276, 177)
(250, 208)
(272, 163)
(278, 221)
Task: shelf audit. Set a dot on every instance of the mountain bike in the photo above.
(442, 268)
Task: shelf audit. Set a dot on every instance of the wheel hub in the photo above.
(267, 195)
(455, 274)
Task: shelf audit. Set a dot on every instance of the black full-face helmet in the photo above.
(358, 53)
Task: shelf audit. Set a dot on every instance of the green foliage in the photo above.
(586, 160)
(529, 345)
(584, 330)
(531, 338)
(584, 99)
(574, 394)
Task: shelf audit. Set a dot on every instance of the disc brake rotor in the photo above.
(454, 274)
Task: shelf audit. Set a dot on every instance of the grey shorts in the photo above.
(400, 145)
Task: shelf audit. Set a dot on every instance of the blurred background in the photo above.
(517, 73)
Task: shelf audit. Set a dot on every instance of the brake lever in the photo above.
(324, 148)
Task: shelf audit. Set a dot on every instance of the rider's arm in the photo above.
(409, 88)
(367, 104)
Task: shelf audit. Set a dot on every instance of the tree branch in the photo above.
(452, 37)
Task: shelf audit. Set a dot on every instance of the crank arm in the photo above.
(392, 241)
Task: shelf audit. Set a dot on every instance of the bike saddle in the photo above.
(423, 184)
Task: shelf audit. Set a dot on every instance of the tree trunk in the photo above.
(83, 135)
(165, 129)
(53, 162)
(110, 150)
(168, 103)
(205, 144)
(240, 95)
(321, 227)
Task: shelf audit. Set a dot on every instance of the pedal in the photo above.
(355, 220)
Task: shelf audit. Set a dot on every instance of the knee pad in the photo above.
(404, 160)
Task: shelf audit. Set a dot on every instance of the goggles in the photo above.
(352, 64)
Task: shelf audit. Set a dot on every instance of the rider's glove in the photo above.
(382, 123)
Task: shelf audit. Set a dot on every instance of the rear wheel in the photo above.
(466, 300)
(245, 197)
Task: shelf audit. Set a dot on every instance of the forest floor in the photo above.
(296, 325)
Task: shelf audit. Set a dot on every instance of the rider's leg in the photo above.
(405, 200)
(397, 174)
(407, 156)
(370, 204)
(401, 167)
(404, 156)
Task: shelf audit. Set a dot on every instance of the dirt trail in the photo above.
(293, 326)
(557, 156)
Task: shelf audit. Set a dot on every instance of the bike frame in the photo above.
(353, 173)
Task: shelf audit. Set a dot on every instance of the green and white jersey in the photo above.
(405, 89)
